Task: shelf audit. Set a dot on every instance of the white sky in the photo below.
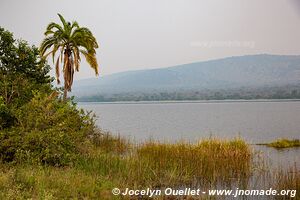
(141, 34)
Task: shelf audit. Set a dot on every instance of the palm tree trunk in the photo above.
(65, 92)
(67, 68)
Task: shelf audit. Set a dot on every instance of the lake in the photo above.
(254, 121)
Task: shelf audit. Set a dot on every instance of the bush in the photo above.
(6, 117)
(34, 126)
(52, 132)
(22, 71)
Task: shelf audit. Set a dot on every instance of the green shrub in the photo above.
(6, 117)
(49, 131)
(22, 71)
(34, 126)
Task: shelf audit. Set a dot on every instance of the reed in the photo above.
(106, 142)
(209, 162)
(152, 164)
(288, 180)
(109, 161)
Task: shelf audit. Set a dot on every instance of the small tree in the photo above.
(21, 72)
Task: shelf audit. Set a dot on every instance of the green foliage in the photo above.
(50, 133)
(6, 119)
(21, 73)
(35, 125)
(19, 58)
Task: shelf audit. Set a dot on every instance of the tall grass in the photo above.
(36, 182)
(288, 180)
(107, 162)
(209, 162)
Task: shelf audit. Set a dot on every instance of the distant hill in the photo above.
(227, 73)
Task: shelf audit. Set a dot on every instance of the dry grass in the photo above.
(111, 162)
(288, 180)
(206, 163)
(34, 182)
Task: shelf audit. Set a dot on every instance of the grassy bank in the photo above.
(114, 162)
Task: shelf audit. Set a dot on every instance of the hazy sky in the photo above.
(140, 34)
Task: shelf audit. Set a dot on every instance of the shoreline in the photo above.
(190, 101)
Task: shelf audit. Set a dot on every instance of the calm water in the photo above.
(256, 122)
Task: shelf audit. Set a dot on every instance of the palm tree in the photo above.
(70, 41)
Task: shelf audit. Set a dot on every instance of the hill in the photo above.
(253, 71)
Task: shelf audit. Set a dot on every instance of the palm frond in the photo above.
(51, 26)
(62, 19)
(47, 54)
(75, 24)
(48, 32)
(46, 44)
(61, 54)
(57, 70)
(91, 59)
(71, 71)
(76, 58)
(55, 48)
